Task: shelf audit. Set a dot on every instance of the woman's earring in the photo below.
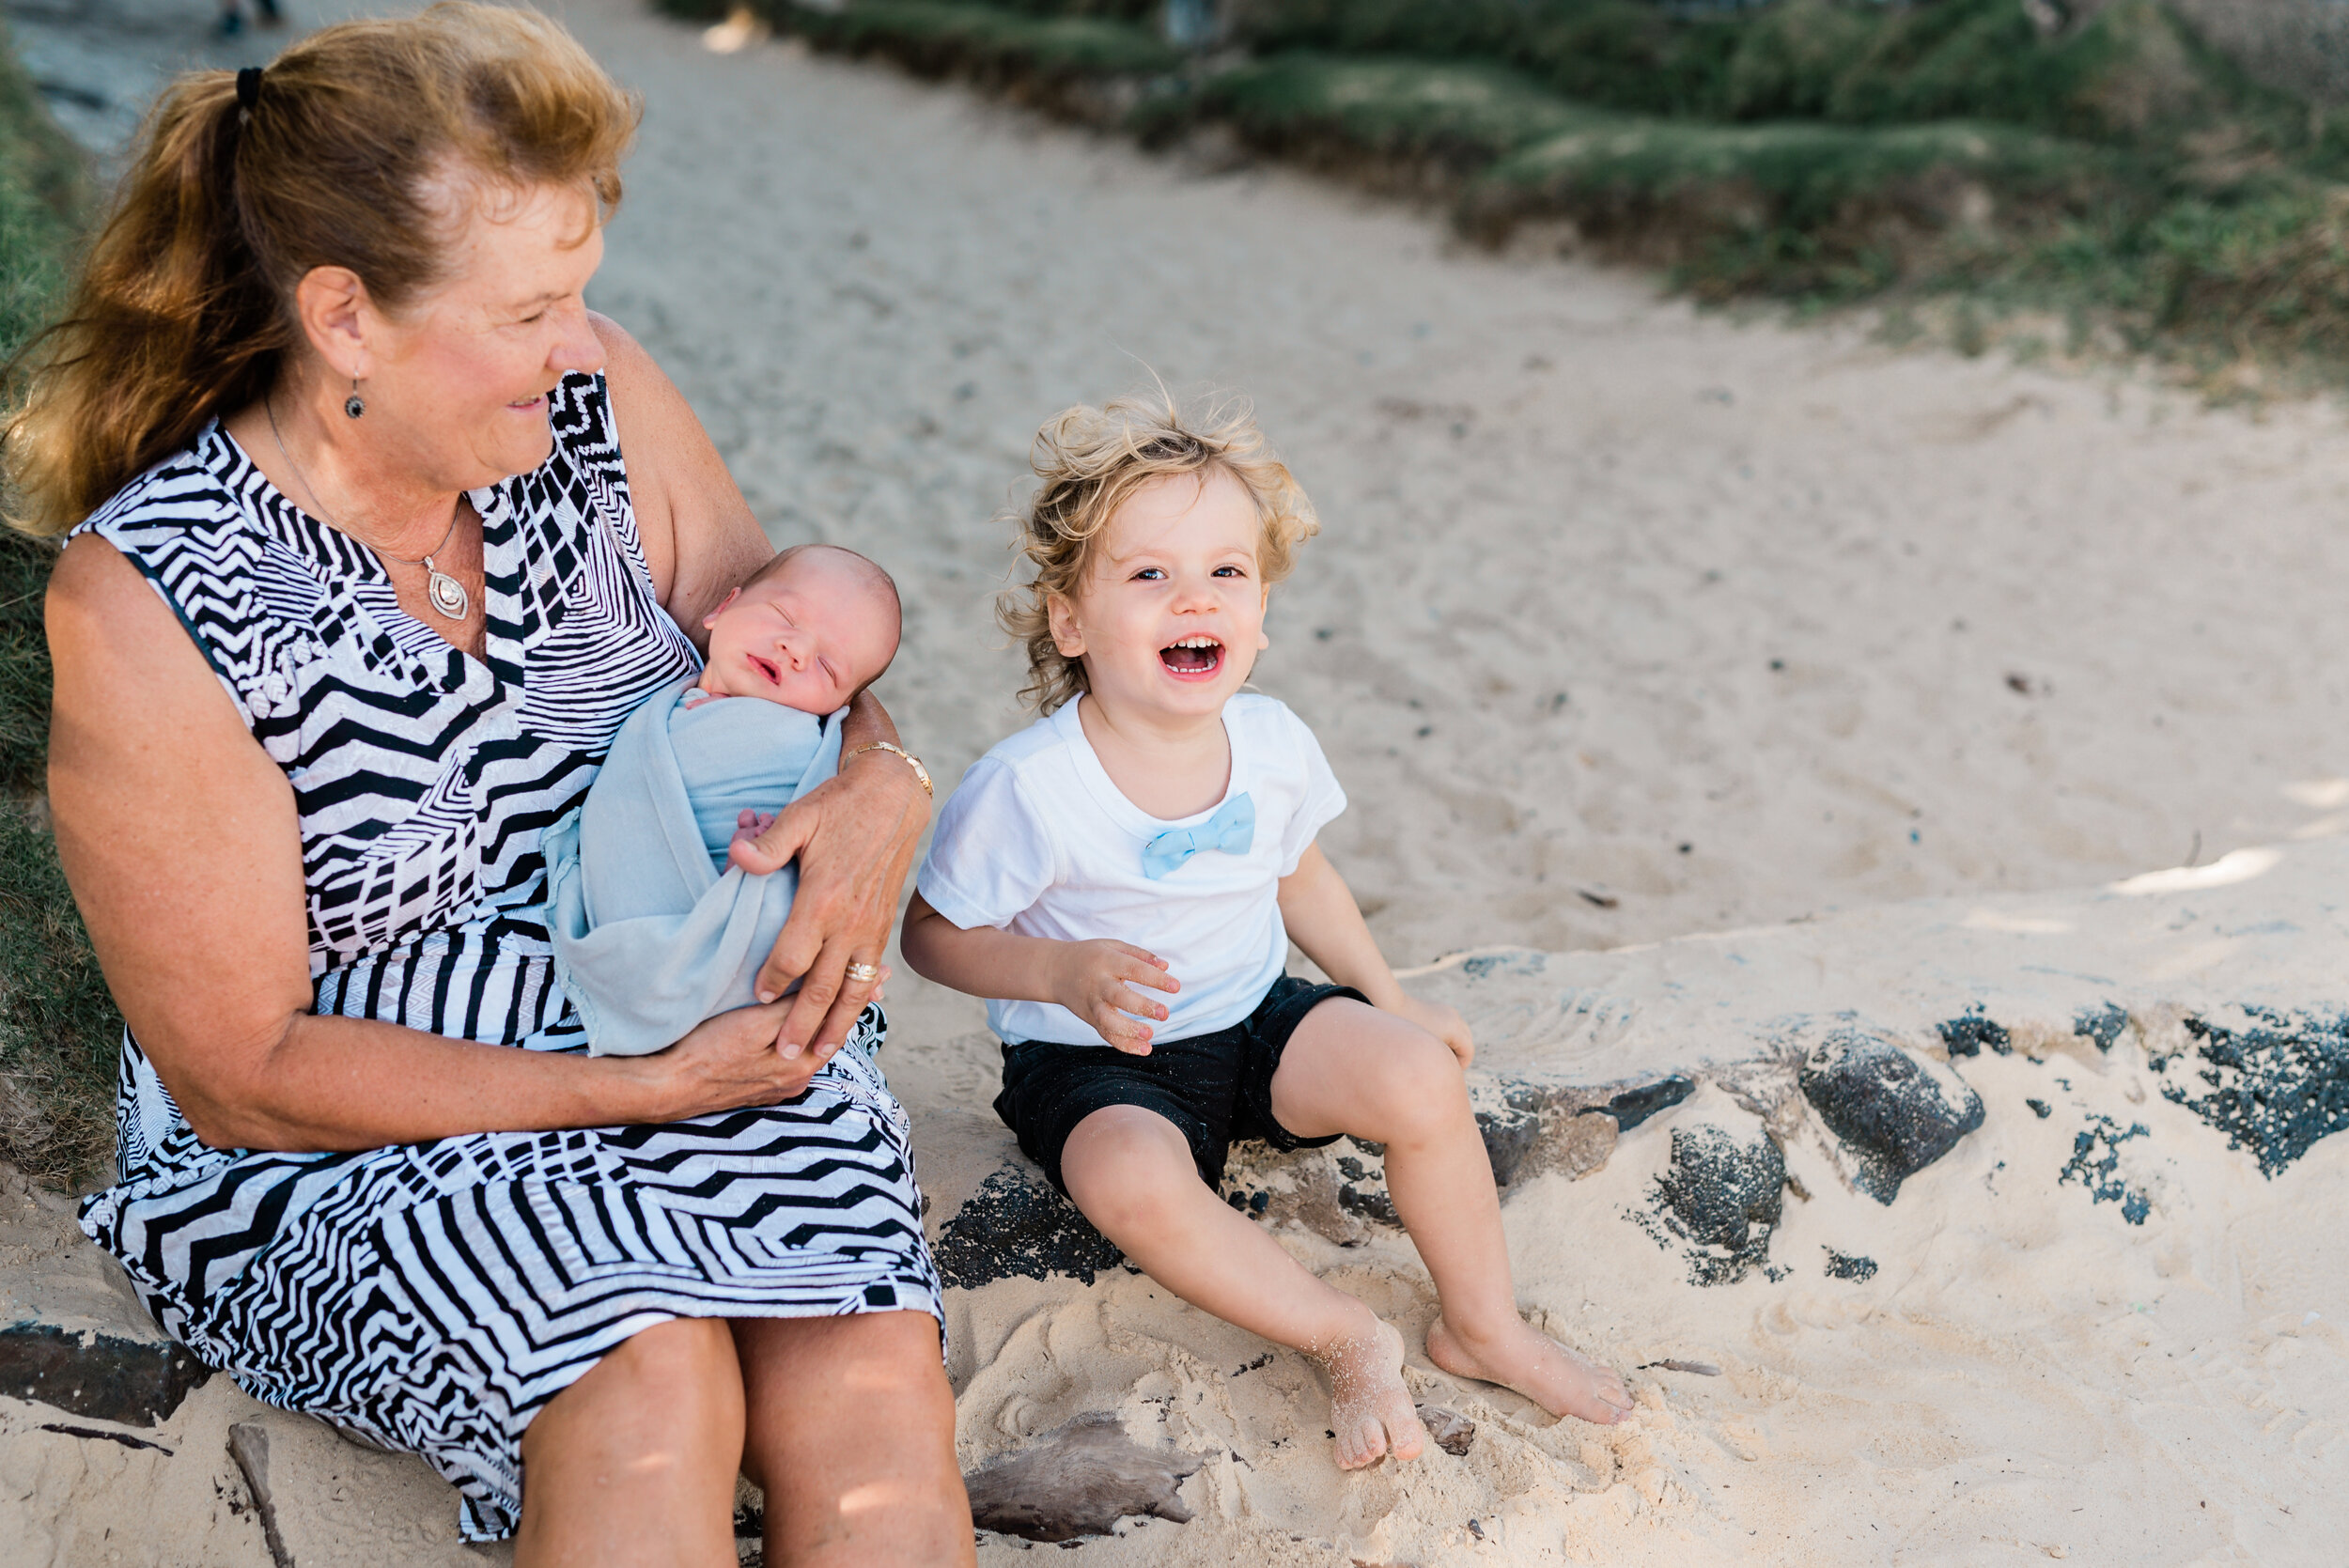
(354, 405)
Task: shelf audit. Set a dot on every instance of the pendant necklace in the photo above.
(446, 593)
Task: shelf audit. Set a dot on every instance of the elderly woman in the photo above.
(361, 583)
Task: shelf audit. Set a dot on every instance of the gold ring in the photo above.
(864, 973)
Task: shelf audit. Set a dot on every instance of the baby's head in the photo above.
(1154, 538)
(810, 629)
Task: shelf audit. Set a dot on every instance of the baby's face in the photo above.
(1170, 616)
(808, 637)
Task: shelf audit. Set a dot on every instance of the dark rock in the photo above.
(1016, 1226)
(2101, 1024)
(1509, 1135)
(1845, 1265)
(1363, 1192)
(1454, 1433)
(1966, 1036)
(2040, 1108)
(1372, 1204)
(2096, 1164)
(2275, 1088)
(1642, 1101)
(1079, 1480)
(1724, 1196)
(130, 1382)
(1896, 1113)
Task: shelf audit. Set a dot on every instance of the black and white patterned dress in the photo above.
(434, 1298)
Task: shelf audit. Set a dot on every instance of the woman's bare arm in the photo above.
(181, 840)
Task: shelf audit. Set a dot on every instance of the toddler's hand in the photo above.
(747, 827)
(1438, 1020)
(1095, 980)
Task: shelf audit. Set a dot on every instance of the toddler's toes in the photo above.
(1407, 1439)
(1360, 1444)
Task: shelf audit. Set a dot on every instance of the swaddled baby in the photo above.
(653, 930)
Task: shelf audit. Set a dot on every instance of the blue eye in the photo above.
(1230, 571)
(1149, 574)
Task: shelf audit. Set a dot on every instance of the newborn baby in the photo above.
(653, 930)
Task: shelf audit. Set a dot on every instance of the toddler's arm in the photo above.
(1323, 920)
(1094, 980)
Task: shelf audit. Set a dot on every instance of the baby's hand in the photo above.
(1438, 1020)
(747, 827)
(1095, 980)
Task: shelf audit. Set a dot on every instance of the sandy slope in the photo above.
(1602, 579)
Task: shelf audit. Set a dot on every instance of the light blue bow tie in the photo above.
(1232, 830)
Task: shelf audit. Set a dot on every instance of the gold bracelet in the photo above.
(911, 761)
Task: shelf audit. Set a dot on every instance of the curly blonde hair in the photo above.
(1091, 461)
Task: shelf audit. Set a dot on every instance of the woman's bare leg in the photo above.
(1131, 1172)
(634, 1463)
(1351, 1068)
(851, 1437)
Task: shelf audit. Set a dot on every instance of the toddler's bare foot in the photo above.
(1536, 1366)
(1370, 1407)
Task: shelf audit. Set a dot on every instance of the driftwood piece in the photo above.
(1079, 1480)
(248, 1445)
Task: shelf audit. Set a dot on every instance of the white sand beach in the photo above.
(1723, 684)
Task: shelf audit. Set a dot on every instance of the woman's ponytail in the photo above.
(169, 321)
(182, 308)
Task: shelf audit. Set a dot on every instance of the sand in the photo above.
(1714, 678)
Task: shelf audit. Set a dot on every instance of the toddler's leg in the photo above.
(1130, 1171)
(1351, 1068)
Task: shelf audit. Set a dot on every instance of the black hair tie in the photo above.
(249, 87)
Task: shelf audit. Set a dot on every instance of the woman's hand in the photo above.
(854, 838)
(726, 1062)
(1095, 980)
(1443, 1022)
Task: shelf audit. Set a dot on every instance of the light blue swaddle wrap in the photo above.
(653, 931)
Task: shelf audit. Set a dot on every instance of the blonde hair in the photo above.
(1091, 461)
(183, 306)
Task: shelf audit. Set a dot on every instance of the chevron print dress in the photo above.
(433, 1297)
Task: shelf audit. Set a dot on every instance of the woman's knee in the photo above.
(676, 1386)
(849, 1398)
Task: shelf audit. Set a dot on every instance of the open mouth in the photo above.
(765, 667)
(1194, 657)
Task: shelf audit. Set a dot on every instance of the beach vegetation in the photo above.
(59, 1032)
(2104, 165)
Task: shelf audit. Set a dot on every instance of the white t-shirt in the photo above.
(1038, 841)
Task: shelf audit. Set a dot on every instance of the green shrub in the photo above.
(1465, 112)
(1040, 40)
(946, 35)
(58, 1028)
(59, 1032)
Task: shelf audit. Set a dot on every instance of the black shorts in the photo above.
(1215, 1087)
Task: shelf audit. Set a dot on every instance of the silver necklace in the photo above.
(446, 594)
